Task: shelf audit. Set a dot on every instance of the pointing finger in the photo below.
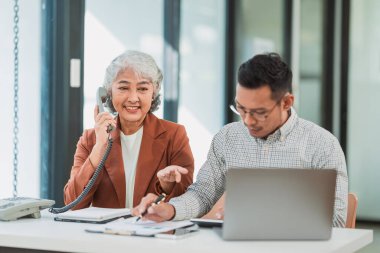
(178, 176)
(182, 170)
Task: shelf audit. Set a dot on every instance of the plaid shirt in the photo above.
(297, 144)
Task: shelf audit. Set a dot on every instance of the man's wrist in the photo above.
(174, 212)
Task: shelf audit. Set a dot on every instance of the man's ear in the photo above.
(288, 101)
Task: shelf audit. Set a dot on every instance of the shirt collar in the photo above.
(281, 133)
(288, 126)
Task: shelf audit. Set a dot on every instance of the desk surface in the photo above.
(47, 234)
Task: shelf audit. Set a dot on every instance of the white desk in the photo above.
(47, 234)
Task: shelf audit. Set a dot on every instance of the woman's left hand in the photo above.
(169, 176)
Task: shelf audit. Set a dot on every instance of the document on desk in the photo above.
(142, 228)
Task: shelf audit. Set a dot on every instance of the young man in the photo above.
(270, 134)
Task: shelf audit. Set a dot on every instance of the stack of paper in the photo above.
(142, 228)
(94, 215)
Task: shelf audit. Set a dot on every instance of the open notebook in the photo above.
(94, 215)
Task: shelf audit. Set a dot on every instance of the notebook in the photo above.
(96, 215)
(279, 204)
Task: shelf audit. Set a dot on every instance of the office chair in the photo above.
(351, 210)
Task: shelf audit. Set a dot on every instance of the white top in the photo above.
(130, 146)
(50, 235)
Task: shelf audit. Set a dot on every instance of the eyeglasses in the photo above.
(260, 115)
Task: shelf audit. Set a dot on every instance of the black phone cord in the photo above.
(89, 184)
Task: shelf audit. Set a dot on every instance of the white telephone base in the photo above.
(13, 208)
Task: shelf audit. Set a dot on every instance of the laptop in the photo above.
(279, 204)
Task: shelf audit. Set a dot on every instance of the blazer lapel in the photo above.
(115, 167)
(151, 150)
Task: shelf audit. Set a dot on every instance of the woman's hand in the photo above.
(169, 176)
(102, 121)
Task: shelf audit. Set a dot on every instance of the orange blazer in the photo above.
(163, 143)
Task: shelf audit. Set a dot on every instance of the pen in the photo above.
(157, 201)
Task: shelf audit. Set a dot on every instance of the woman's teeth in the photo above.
(132, 107)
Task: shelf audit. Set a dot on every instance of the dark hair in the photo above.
(266, 69)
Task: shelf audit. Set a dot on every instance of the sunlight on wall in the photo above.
(200, 137)
(202, 88)
(29, 98)
(101, 46)
(106, 38)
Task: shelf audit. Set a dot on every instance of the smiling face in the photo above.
(132, 98)
(260, 113)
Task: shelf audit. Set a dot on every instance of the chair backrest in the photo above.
(351, 210)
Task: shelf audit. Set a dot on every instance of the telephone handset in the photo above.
(101, 98)
(14, 208)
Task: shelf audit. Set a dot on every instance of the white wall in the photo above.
(29, 98)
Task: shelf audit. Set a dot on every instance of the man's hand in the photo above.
(160, 212)
(217, 211)
(169, 176)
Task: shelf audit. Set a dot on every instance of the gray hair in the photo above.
(143, 65)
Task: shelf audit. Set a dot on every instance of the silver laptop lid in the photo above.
(279, 204)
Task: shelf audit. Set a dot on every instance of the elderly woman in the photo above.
(149, 155)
